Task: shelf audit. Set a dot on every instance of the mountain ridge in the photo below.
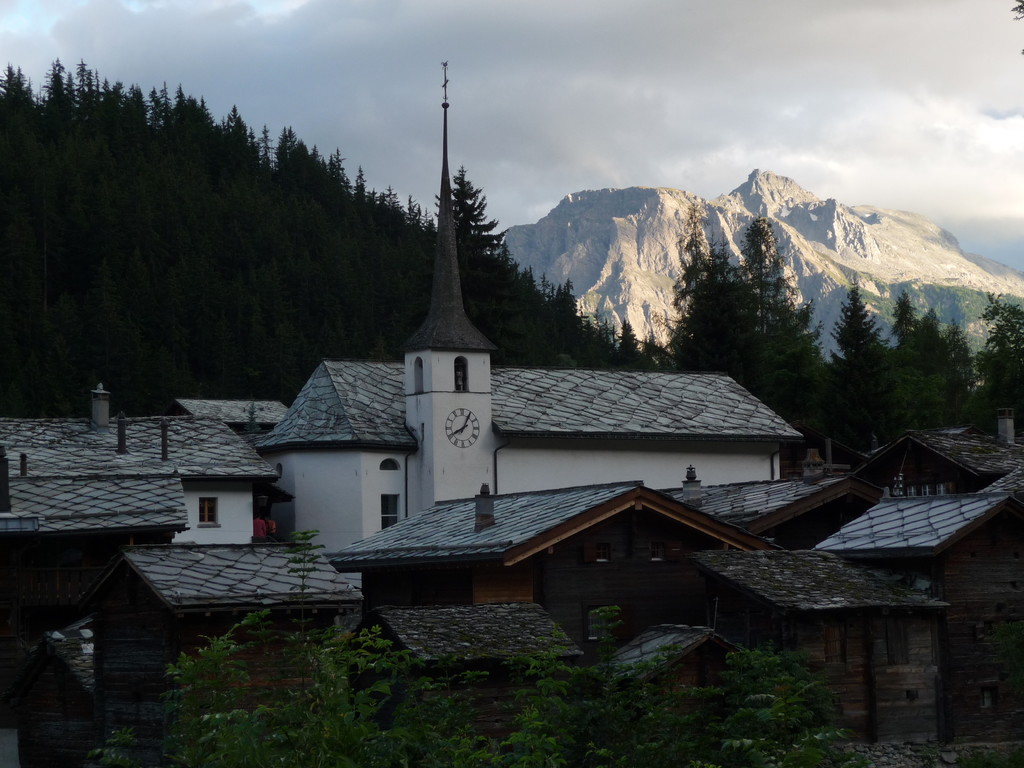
(619, 248)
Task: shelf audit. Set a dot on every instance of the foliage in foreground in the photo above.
(352, 700)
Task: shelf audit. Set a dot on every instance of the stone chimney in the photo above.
(100, 409)
(1004, 418)
(691, 488)
(5, 482)
(122, 433)
(813, 465)
(484, 517)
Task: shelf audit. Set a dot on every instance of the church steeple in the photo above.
(447, 326)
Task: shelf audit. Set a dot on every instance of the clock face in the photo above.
(462, 427)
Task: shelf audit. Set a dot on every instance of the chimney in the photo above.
(100, 409)
(484, 517)
(813, 465)
(691, 488)
(1004, 418)
(163, 440)
(122, 433)
(23, 464)
(5, 482)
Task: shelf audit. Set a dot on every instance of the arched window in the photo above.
(417, 375)
(461, 374)
(389, 464)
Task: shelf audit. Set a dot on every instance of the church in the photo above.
(367, 444)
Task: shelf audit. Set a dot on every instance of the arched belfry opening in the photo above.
(461, 374)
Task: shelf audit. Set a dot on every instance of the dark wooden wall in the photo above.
(56, 720)
(983, 581)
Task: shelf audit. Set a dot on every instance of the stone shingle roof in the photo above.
(981, 454)
(1009, 483)
(809, 581)
(916, 526)
(363, 403)
(235, 412)
(100, 503)
(446, 530)
(197, 448)
(197, 577)
(664, 643)
(742, 503)
(73, 645)
(474, 632)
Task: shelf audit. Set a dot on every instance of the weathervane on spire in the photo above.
(444, 85)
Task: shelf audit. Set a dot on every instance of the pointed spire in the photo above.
(447, 326)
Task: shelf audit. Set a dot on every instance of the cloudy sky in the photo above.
(909, 104)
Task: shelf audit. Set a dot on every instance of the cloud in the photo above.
(913, 105)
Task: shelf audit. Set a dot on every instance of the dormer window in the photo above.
(461, 374)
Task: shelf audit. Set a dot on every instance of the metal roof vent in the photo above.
(100, 409)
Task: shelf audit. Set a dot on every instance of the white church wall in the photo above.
(523, 466)
(232, 508)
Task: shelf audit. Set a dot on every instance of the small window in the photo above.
(389, 464)
(602, 620)
(989, 697)
(461, 375)
(835, 642)
(417, 376)
(388, 510)
(597, 552)
(208, 510)
(657, 550)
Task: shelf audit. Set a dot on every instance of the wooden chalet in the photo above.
(451, 639)
(793, 514)
(571, 551)
(874, 639)
(153, 603)
(54, 697)
(934, 462)
(969, 549)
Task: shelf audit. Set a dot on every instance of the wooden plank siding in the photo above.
(983, 581)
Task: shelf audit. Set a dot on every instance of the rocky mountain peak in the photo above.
(620, 249)
(767, 194)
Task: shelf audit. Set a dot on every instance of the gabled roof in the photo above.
(660, 645)
(234, 412)
(917, 526)
(73, 645)
(101, 504)
(229, 577)
(977, 453)
(474, 632)
(762, 504)
(808, 581)
(1009, 483)
(362, 404)
(197, 449)
(525, 523)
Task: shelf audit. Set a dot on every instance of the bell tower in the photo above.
(448, 375)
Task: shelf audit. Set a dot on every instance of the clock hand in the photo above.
(462, 429)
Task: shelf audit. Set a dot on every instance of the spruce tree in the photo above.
(860, 400)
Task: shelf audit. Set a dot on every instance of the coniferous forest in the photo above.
(148, 245)
(165, 252)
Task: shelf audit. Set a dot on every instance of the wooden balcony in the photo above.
(50, 586)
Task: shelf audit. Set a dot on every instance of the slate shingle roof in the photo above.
(198, 448)
(100, 503)
(741, 503)
(445, 532)
(234, 412)
(664, 643)
(916, 526)
(809, 581)
(981, 454)
(233, 577)
(363, 403)
(473, 632)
